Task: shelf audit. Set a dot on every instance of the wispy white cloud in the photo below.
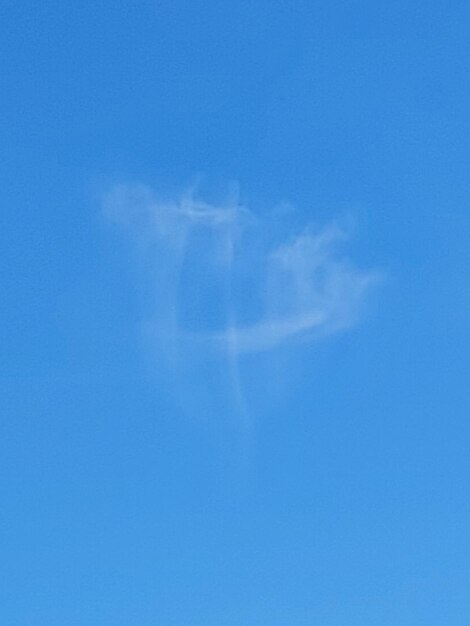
(225, 282)
(207, 257)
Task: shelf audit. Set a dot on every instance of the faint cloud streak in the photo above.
(224, 257)
(226, 286)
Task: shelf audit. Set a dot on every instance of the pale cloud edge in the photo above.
(299, 284)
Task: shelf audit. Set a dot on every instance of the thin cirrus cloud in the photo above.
(225, 280)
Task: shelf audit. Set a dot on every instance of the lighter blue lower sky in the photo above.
(234, 315)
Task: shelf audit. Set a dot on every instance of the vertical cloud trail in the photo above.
(225, 286)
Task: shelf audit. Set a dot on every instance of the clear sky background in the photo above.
(182, 449)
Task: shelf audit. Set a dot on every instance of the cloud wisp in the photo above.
(226, 283)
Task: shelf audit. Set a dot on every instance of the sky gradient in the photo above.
(235, 329)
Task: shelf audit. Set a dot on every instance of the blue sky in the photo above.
(234, 320)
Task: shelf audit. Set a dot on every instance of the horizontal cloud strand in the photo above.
(300, 287)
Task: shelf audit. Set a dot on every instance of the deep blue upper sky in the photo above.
(127, 496)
